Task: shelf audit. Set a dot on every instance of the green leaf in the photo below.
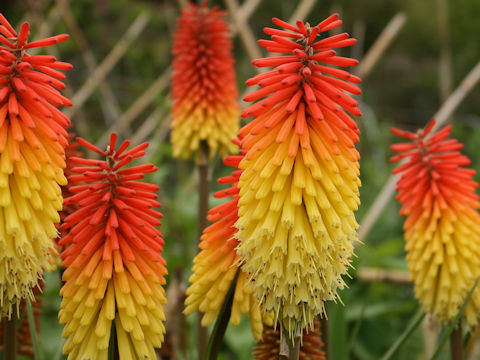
(355, 331)
(405, 335)
(338, 331)
(33, 331)
(221, 324)
(453, 323)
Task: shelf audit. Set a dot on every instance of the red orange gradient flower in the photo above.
(204, 89)
(217, 263)
(442, 228)
(32, 140)
(299, 187)
(114, 267)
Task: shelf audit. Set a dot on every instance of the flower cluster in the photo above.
(32, 140)
(442, 228)
(217, 263)
(299, 187)
(204, 89)
(114, 268)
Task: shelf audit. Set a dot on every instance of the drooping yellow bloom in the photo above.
(217, 263)
(204, 89)
(32, 142)
(299, 187)
(442, 228)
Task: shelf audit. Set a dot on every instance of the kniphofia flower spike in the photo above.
(217, 263)
(204, 89)
(32, 142)
(114, 268)
(442, 228)
(299, 187)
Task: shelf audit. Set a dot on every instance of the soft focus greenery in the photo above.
(401, 91)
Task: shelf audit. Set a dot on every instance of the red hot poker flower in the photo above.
(217, 263)
(32, 140)
(442, 229)
(299, 187)
(204, 89)
(114, 268)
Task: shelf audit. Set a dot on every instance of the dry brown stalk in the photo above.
(381, 44)
(244, 31)
(137, 107)
(366, 274)
(445, 76)
(147, 127)
(108, 63)
(110, 103)
(302, 10)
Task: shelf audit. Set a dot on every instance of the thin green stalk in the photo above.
(453, 324)
(356, 330)
(59, 353)
(10, 336)
(221, 324)
(417, 320)
(33, 330)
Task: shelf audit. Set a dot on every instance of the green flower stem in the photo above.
(221, 324)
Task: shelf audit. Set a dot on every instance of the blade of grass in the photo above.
(417, 320)
(221, 324)
(33, 331)
(356, 329)
(445, 335)
(59, 353)
(337, 336)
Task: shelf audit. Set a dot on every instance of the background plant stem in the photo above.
(10, 337)
(456, 343)
(325, 334)
(203, 192)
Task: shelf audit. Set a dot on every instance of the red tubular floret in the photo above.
(22, 37)
(47, 42)
(271, 31)
(284, 24)
(7, 25)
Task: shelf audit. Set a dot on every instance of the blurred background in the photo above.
(121, 52)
